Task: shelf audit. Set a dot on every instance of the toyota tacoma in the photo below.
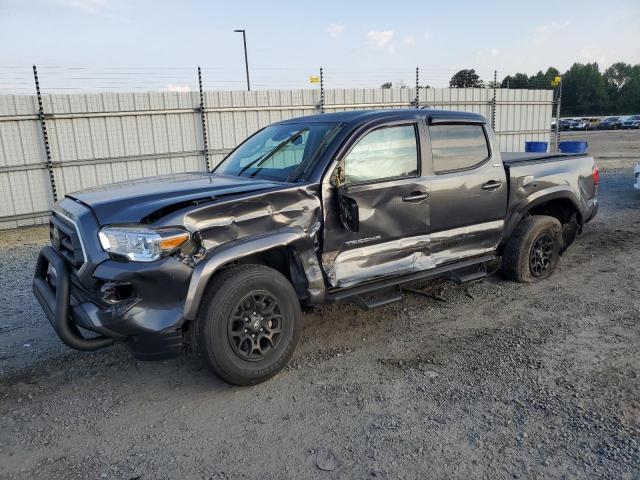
(341, 207)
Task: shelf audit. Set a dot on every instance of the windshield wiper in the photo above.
(270, 153)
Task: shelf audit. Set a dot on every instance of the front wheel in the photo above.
(248, 325)
(533, 251)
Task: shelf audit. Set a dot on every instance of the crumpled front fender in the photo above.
(301, 240)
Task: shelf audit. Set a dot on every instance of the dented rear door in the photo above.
(469, 191)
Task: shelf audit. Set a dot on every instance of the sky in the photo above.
(156, 45)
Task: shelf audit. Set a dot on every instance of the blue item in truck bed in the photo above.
(573, 147)
(535, 146)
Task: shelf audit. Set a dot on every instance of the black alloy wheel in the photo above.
(541, 256)
(255, 326)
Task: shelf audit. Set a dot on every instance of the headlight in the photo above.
(141, 244)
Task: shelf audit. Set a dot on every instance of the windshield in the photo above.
(280, 152)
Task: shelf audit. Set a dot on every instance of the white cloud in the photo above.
(591, 54)
(111, 9)
(335, 29)
(409, 39)
(428, 35)
(94, 7)
(178, 88)
(494, 52)
(380, 38)
(548, 31)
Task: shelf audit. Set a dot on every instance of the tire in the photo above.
(220, 337)
(533, 251)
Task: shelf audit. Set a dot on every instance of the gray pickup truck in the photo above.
(313, 210)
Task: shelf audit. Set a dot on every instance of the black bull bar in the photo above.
(55, 302)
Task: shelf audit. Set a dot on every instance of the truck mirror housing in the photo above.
(349, 214)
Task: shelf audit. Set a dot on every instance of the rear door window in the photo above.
(458, 146)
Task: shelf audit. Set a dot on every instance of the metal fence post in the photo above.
(558, 115)
(417, 101)
(45, 136)
(203, 119)
(493, 102)
(321, 91)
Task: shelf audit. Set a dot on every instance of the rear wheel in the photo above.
(533, 251)
(249, 324)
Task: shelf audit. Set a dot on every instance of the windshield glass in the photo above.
(279, 152)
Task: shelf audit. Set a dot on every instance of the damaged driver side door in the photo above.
(378, 206)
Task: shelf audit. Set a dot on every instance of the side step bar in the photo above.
(368, 305)
(354, 294)
(469, 276)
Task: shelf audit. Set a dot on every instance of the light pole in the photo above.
(246, 60)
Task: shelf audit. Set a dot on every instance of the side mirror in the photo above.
(349, 214)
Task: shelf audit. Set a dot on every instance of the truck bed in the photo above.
(512, 158)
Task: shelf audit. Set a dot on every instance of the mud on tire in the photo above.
(248, 325)
(533, 251)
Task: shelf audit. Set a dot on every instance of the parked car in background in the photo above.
(636, 174)
(610, 123)
(631, 122)
(585, 123)
(592, 123)
(565, 124)
(579, 124)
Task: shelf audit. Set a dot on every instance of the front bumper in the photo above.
(56, 302)
(149, 322)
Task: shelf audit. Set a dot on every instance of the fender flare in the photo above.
(297, 238)
(538, 198)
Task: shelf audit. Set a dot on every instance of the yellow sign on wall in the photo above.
(314, 79)
(556, 81)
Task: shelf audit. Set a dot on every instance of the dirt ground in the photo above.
(499, 380)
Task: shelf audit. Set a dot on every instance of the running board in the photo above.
(369, 305)
(470, 276)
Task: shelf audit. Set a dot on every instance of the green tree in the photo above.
(466, 79)
(623, 87)
(584, 91)
(543, 80)
(627, 98)
(386, 85)
(587, 91)
(519, 80)
(618, 74)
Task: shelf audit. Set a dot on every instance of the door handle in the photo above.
(415, 197)
(491, 185)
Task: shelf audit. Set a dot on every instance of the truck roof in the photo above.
(361, 116)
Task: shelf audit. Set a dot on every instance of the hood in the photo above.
(133, 201)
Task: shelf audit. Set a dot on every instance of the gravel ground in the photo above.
(499, 380)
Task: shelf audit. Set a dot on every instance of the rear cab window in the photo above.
(458, 146)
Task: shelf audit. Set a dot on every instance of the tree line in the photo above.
(585, 89)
